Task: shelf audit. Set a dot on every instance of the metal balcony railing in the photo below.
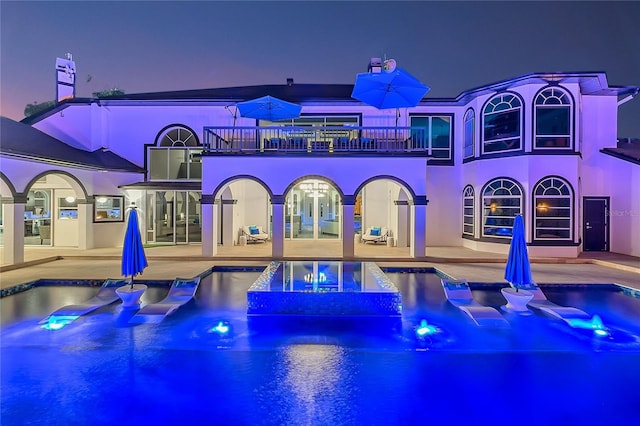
(297, 139)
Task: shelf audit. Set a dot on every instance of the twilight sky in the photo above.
(452, 46)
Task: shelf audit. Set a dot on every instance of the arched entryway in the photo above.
(313, 211)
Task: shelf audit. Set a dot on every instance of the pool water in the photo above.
(316, 371)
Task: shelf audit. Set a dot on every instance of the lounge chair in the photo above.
(254, 234)
(181, 291)
(459, 295)
(375, 234)
(544, 305)
(106, 295)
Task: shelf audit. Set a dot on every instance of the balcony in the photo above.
(410, 141)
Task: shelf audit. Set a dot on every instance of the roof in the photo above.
(591, 83)
(627, 149)
(19, 140)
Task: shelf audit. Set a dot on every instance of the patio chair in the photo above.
(375, 234)
(182, 291)
(254, 234)
(459, 295)
(106, 295)
(544, 305)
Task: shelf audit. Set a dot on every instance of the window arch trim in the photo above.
(500, 207)
(553, 210)
(560, 140)
(468, 211)
(191, 140)
(502, 132)
(469, 134)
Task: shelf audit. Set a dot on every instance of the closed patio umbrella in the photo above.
(134, 259)
(518, 269)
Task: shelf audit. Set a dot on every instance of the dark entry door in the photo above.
(596, 224)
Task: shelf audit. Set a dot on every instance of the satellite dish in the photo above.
(389, 65)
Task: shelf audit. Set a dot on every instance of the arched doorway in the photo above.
(312, 211)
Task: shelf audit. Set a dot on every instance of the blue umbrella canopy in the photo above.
(133, 258)
(384, 90)
(269, 108)
(518, 270)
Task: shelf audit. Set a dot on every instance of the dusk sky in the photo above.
(451, 46)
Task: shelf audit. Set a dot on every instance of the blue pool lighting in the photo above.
(425, 329)
(222, 328)
(57, 322)
(594, 324)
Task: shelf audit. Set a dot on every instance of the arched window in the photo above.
(178, 136)
(553, 213)
(468, 211)
(501, 129)
(502, 202)
(176, 155)
(553, 119)
(469, 133)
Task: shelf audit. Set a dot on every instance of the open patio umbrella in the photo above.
(518, 269)
(133, 258)
(385, 90)
(269, 108)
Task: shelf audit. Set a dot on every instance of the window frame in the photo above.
(429, 132)
(469, 116)
(108, 219)
(468, 194)
(172, 170)
(541, 204)
(494, 103)
(563, 100)
(503, 230)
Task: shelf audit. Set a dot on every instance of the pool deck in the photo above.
(185, 261)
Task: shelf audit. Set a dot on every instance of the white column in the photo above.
(348, 249)
(418, 230)
(277, 239)
(209, 228)
(85, 224)
(13, 229)
(228, 234)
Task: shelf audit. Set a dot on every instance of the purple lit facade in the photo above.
(448, 172)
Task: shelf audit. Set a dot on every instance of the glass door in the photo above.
(174, 217)
(312, 211)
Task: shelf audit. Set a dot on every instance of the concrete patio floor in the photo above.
(168, 262)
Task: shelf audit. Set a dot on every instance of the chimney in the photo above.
(375, 65)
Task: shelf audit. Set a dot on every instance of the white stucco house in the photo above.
(448, 172)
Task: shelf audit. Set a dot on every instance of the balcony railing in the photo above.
(296, 139)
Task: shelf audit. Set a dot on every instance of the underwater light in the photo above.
(594, 324)
(424, 329)
(57, 322)
(222, 328)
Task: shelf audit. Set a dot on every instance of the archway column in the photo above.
(348, 227)
(419, 226)
(13, 230)
(228, 234)
(85, 224)
(209, 225)
(277, 219)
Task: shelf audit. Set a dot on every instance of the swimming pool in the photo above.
(100, 370)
